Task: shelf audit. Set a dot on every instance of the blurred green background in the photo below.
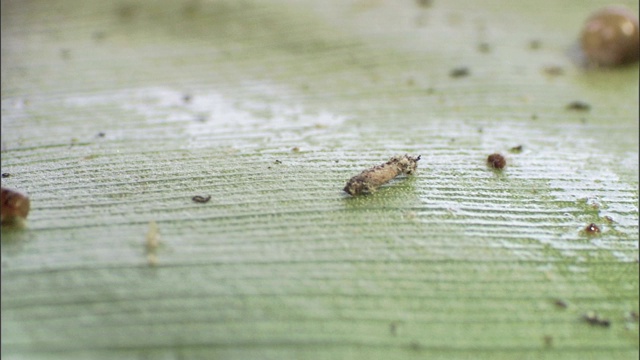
(117, 113)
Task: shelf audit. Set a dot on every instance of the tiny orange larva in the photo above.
(15, 206)
(496, 161)
(370, 180)
(610, 37)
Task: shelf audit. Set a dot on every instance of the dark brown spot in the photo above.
(610, 37)
(496, 161)
(578, 106)
(201, 199)
(459, 72)
(594, 319)
(296, 149)
(15, 206)
(277, 162)
(592, 229)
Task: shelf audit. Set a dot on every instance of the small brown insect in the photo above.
(610, 37)
(370, 180)
(592, 229)
(594, 319)
(578, 106)
(15, 206)
(496, 161)
(201, 199)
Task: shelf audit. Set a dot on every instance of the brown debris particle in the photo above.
(370, 180)
(496, 161)
(295, 149)
(578, 106)
(201, 199)
(15, 206)
(459, 72)
(592, 229)
(594, 319)
(610, 37)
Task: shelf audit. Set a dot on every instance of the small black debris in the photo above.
(201, 199)
(578, 106)
(459, 72)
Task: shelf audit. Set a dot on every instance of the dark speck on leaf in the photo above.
(201, 199)
(592, 229)
(496, 161)
(459, 72)
(594, 319)
(578, 106)
(5, 175)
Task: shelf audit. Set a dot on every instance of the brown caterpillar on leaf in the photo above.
(370, 180)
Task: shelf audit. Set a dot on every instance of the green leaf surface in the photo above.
(115, 114)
